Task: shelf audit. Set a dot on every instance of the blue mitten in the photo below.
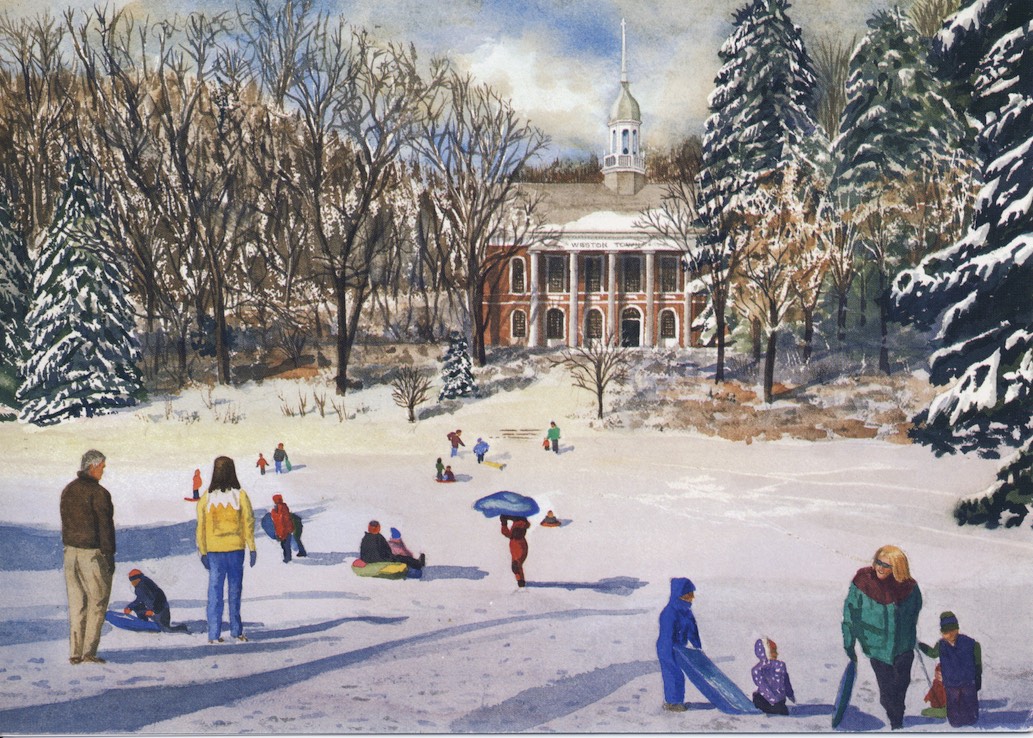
(204, 561)
(254, 557)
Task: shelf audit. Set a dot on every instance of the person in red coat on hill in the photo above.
(283, 524)
(517, 536)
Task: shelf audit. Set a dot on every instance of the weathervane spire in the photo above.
(624, 60)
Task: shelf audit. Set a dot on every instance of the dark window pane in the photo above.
(554, 323)
(519, 324)
(667, 325)
(631, 269)
(554, 274)
(516, 268)
(594, 324)
(668, 274)
(594, 274)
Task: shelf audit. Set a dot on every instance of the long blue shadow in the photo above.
(856, 721)
(29, 548)
(539, 705)
(622, 586)
(13, 632)
(810, 710)
(430, 573)
(132, 709)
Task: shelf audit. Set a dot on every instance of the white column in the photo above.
(686, 331)
(533, 319)
(611, 298)
(650, 298)
(572, 322)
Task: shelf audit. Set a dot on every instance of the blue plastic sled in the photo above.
(270, 529)
(712, 683)
(846, 688)
(131, 622)
(506, 503)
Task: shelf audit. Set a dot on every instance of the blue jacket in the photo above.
(480, 447)
(677, 622)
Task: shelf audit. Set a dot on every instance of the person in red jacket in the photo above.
(517, 535)
(287, 525)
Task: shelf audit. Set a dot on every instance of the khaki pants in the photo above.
(88, 578)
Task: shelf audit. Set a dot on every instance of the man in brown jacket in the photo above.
(88, 534)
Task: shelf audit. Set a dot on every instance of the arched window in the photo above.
(594, 325)
(516, 275)
(613, 146)
(519, 324)
(554, 323)
(668, 326)
(634, 142)
(624, 141)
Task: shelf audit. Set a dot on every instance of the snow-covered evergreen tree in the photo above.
(14, 290)
(896, 118)
(457, 374)
(82, 353)
(762, 108)
(976, 293)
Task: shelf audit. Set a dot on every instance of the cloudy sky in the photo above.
(559, 60)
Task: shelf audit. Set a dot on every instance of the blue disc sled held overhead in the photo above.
(131, 622)
(846, 687)
(506, 503)
(712, 683)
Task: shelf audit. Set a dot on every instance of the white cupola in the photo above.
(624, 166)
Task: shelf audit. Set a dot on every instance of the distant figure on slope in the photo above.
(279, 457)
(439, 469)
(551, 521)
(480, 449)
(261, 463)
(677, 628)
(197, 484)
(553, 436)
(449, 475)
(961, 663)
(287, 526)
(455, 439)
(772, 679)
(881, 611)
(151, 603)
(517, 535)
(375, 548)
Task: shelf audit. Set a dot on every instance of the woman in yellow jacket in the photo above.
(225, 527)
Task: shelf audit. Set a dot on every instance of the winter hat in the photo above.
(135, 574)
(395, 533)
(278, 499)
(770, 648)
(948, 621)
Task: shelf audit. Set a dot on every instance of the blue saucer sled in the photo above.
(270, 529)
(506, 503)
(719, 690)
(846, 688)
(131, 622)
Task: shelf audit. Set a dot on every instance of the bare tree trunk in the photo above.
(884, 351)
(808, 334)
(841, 311)
(755, 331)
(769, 366)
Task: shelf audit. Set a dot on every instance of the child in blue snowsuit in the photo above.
(677, 627)
(479, 449)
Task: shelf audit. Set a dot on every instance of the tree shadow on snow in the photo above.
(539, 705)
(132, 708)
(13, 632)
(622, 586)
(431, 573)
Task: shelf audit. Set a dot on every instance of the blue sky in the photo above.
(559, 60)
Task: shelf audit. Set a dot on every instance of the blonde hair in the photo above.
(897, 560)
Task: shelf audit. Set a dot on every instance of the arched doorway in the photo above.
(631, 327)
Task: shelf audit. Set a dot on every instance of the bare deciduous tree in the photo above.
(595, 365)
(409, 389)
(477, 145)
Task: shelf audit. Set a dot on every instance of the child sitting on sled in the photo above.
(772, 679)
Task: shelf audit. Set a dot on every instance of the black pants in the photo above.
(778, 708)
(893, 680)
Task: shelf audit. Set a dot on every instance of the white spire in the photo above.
(624, 62)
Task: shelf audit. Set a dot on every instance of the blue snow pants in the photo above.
(673, 676)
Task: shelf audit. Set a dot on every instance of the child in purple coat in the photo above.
(772, 679)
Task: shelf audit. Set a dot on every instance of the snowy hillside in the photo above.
(771, 532)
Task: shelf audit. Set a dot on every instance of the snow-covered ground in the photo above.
(771, 533)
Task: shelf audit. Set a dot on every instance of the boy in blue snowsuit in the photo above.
(677, 627)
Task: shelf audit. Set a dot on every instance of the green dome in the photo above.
(626, 106)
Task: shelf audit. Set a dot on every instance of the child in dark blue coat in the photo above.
(961, 662)
(677, 627)
(151, 603)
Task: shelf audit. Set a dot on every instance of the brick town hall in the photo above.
(601, 275)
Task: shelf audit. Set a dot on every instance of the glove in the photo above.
(149, 614)
(851, 653)
(254, 557)
(126, 610)
(204, 561)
